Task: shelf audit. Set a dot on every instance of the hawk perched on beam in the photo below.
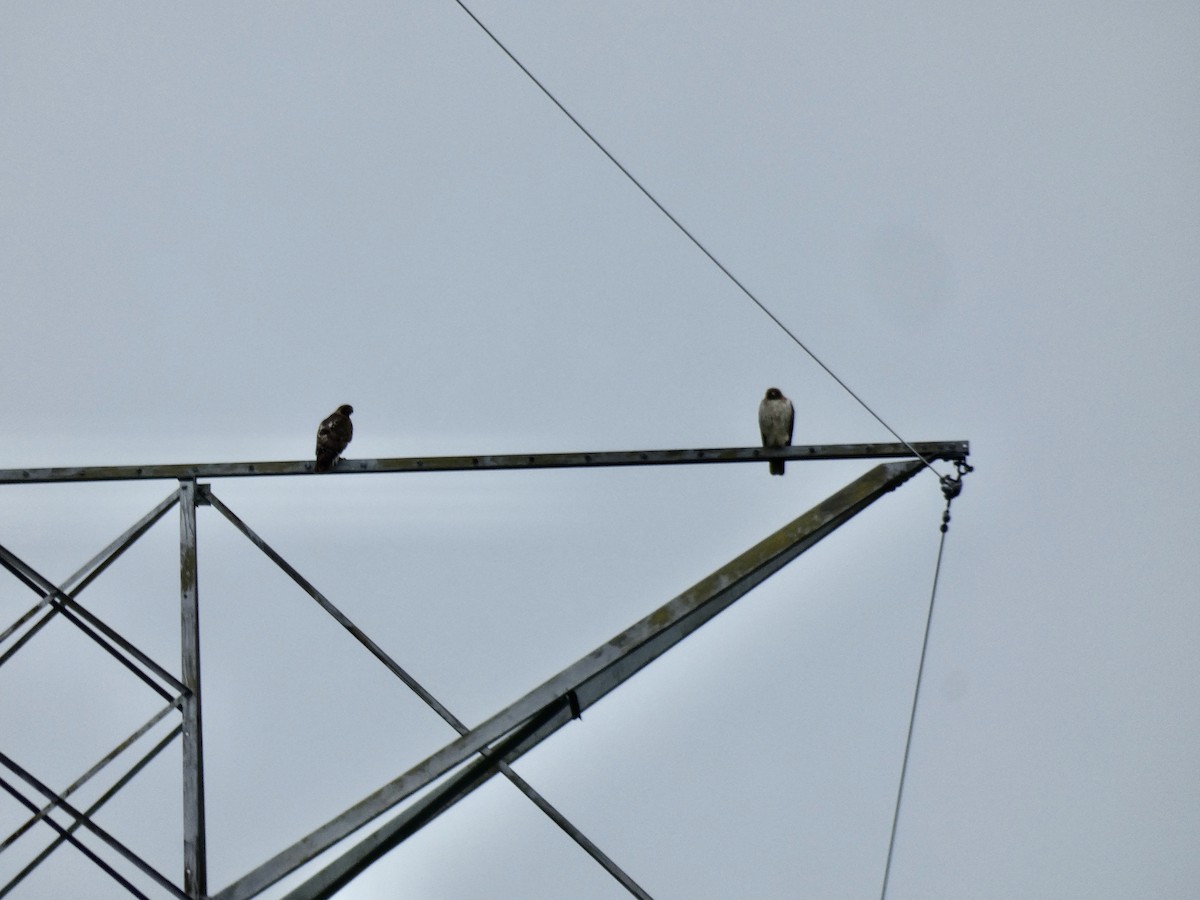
(333, 436)
(775, 419)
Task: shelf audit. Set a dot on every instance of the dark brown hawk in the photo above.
(775, 419)
(333, 436)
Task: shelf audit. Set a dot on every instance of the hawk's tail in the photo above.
(325, 462)
(776, 466)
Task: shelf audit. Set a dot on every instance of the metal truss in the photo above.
(461, 766)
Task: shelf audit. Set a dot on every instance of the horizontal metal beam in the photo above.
(566, 695)
(929, 450)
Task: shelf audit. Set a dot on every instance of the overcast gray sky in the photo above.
(219, 222)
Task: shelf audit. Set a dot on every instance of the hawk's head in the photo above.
(774, 394)
(345, 409)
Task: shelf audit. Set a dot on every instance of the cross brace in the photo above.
(524, 724)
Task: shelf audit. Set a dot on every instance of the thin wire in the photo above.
(912, 716)
(691, 237)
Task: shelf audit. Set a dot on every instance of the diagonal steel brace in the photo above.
(577, 687)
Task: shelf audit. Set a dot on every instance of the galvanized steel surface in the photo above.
(931, 450)
(195, 868)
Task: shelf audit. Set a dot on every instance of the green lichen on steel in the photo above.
(659, 617)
